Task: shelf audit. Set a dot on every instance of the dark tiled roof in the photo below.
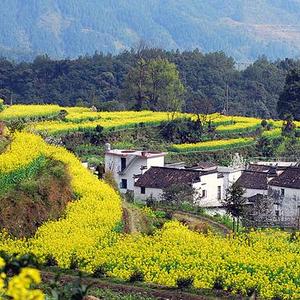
(290, 178)
(161, 177)
(253, 180)
(204, 165)
(255, 198)
(259, 168)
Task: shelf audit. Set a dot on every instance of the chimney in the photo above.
(107, 147)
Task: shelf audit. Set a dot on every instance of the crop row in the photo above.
(29, 111)
(10, 179)
(213, 145)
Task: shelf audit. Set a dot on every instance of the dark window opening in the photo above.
(124, 184)
(123, 163)
(219, 192)
(143, 190)
(282, 192)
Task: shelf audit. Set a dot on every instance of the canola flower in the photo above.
(267, 262)
(29, 111)
(19, 286)
(213, 145)
(95, 207)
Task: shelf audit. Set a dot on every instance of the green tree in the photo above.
(234, 203)
(136, 84)
(164, 86)
(289, 100)
(154, 84)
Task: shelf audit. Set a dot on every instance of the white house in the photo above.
(230, 175)
(208, 184)
(126, 165)
(285, 191)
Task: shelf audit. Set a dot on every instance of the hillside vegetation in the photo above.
(41, 196)
(110, 82)
(68, 28)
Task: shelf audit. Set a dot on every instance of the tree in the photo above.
(154, 84)
(260, 211)
(265, 146)
(177, 194)
(288, 128)
(289, 100)
(164, 87)
(234, 203)
(201, 107)
(136, 85)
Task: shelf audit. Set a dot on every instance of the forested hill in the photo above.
(110, 83)
(68, 28)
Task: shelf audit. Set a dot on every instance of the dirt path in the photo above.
(196, 220)
(158, 292)
(134, 219)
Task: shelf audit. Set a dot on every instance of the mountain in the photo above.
(68, 28)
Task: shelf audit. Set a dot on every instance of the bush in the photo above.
(136, 276)
(264, 123)
(99, 272)
(185, 283)
(218, 284)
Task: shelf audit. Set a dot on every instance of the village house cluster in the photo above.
(145, 175)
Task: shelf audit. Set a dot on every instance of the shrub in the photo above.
(99, 272)
(136, 276)
(185, 283)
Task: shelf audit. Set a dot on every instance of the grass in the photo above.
(4, 142)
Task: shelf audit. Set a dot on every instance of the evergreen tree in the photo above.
(289, 100)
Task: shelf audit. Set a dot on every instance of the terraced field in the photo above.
(230, 131)
(88, 236)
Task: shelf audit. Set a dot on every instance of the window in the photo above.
(204, 193)
(219, 192)
(282, 192)
(124, 184)
(277, 211)
(123, 163)
(143, 190)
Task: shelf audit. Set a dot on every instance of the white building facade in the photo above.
(125, 165)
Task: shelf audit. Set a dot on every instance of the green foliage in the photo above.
(10, 180)
(181, 131)
(1, 104)
(154, 84)
(253, 91)
(289, 101)
(234, 202)
(68, 291)
(288, 128)
(15, 125)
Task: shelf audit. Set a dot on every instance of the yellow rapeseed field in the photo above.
(29, 111)
(267, 262)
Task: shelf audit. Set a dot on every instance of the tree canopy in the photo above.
(289, 100)
(150, 78)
